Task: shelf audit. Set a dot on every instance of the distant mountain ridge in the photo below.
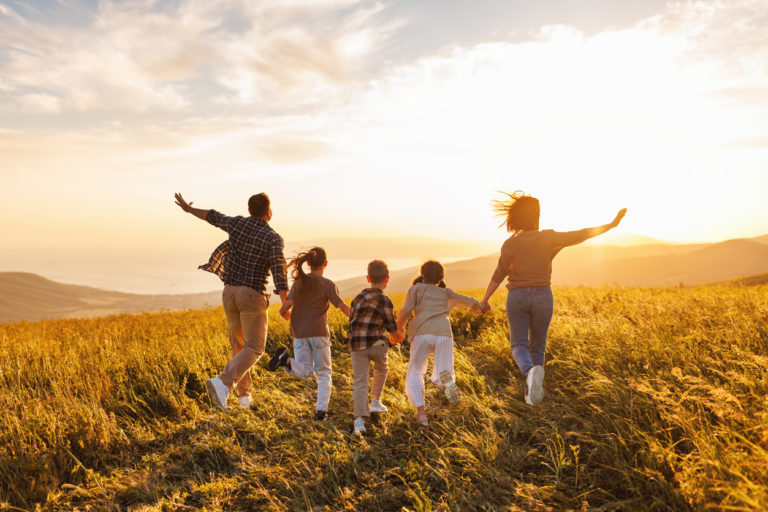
(591, 265)
(26, 296)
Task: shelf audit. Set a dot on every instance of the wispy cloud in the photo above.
(148, 55)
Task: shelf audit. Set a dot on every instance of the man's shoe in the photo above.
(278, 360)
(321, 415)
(358, 427)
(245, 402)
(534, 380)
(377, 406)
(218, 392)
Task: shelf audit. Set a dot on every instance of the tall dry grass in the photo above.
(656, 400)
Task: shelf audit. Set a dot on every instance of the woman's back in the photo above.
(526, 257)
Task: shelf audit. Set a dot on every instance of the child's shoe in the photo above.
(245, 402)
(377, 406)
(218, 392)
(359, 426)
(278, 360)
(533, 381)
(452, 392)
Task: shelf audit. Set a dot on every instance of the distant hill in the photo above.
(754, 280)
(644, 265)
(25, 296)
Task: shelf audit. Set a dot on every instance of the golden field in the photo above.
(657, 399)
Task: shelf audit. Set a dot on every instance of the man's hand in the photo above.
(285, 314)
(485, 307)
(396, 337)
(187, 207)
(618, 217)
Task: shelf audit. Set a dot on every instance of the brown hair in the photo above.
(258, 205)
(520, 211)
(377, 271)
(432, 272)
(315, 257)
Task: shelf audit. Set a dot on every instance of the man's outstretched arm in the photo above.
(187, 207)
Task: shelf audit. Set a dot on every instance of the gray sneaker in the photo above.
(534, 381)
(218, 393)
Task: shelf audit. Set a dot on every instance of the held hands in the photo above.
(619, 216)
(286, 314)
(485, 307)
(397, 337)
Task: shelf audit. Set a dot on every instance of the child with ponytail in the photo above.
(429, 302)
(309, 296)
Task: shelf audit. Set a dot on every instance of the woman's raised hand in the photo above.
(618, 217)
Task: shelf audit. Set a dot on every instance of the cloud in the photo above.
(144, 55)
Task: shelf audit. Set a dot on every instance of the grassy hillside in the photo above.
(25, 296)
(656, 400)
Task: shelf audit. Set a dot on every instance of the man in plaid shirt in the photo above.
(243, 262)
(372, 316)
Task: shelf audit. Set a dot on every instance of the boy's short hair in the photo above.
(258, 205)
(377, 271)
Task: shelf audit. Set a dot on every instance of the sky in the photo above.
(375, 120)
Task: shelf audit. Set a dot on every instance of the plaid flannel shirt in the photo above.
(372, 315)
(246, 258)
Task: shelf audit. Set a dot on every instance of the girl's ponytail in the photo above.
(441, 284)
(315, 258)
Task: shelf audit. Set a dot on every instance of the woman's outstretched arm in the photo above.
(565, 239)
(599, 230)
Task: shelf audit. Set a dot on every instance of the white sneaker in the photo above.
(377, 406)
(359, 426)
(534, 380)
(245, 402)
(218, 393)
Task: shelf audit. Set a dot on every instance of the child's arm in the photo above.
(285, 309)
(344, 309)
(390, 324)
(406, 312)
(459, 300)
(336, 300)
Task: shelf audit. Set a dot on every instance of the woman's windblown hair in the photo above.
(315, 257)
(432, 272)
(520, 211)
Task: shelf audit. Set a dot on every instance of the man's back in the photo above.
(252, 250)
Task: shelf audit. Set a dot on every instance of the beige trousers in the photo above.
(246, 311)
(361, 363)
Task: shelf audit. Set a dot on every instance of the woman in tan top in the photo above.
(310, 296)
(526, 262)
(430, 303)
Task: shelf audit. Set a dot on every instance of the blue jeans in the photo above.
(529, 311)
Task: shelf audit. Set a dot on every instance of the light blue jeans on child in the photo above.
(529, 311)
(312, 356)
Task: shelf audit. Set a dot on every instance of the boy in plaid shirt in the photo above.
(372, 316)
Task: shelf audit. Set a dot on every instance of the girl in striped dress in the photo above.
(429, 302)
